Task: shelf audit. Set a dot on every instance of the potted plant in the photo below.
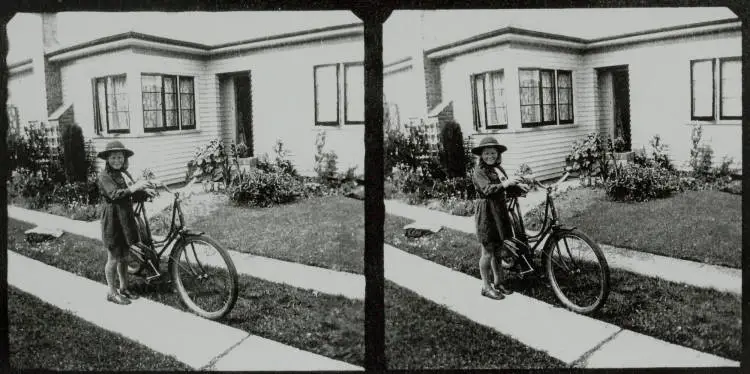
(243, 158)
(621, 152)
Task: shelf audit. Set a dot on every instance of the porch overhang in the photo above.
(20, 67)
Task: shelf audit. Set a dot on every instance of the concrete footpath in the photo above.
(720, 278)
(577, 340)
(290, 273)
(200, 343)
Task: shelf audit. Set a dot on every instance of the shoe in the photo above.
(118, 299)
(502, 289)
(129, 294)
(492, 294)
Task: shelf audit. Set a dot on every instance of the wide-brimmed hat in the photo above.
(488, 142)
(114, 146)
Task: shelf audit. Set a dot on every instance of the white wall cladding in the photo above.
(399, 88)
(283, 99)
(22, 94)
(542, 148)
(165, 153)
(660, 92)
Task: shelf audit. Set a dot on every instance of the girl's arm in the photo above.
(109, 188)
(483, 183)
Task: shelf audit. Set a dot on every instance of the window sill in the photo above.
(722, 122)
(527, 129)
(351, 127)
(158, 134)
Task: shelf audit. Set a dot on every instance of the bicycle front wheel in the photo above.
(577, 271)
(204, 276)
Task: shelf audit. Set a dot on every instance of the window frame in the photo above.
(98, 126)
(338, 95)
(346, 98)
(721, 102)
(557, 92)
(693, 117)
(475, 100)
(178, 110)
(541, 104)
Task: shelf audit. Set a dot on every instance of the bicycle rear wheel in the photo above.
(577, 271)
(204, 276)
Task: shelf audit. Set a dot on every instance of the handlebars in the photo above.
(551, 187)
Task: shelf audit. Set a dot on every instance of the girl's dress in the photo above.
(119, 229)
(492, 217)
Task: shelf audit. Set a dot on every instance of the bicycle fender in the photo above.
(562, 228)
(190, 232)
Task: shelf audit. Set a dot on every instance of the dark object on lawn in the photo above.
(357, 193)
(452, 153)
(417, 229)
(734, 187)
(41, 234)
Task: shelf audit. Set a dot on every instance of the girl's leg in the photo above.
(497, 270)
(109, 272)
(122, 272)
(485, 266)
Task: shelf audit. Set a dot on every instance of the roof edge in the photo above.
(287, 35)
(18, 64)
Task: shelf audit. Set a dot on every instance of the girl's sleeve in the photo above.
(109, 188)
(483, 183)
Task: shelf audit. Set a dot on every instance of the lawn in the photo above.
(420, 334)
(705, 320)
(322, 231)
(332, 326)
(44, 337)
(704, 226)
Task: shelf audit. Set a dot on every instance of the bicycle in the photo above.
(190, 274)
(523, 245)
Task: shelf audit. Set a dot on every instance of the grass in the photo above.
(44, 337)
(705, 320)
(332, 326)
(704, 226)
(420, 334)
(321, 231)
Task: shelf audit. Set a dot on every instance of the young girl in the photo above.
(119, 230)
(492, 216)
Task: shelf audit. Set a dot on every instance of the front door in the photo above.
(621, 102)
(244, 108)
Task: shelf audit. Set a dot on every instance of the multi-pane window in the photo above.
(712, 79)
(334, 82)
(730, 85)
(354, 92)
(111, 104)
(168, 102)
(490, 108)
(546, 96)
(326, 95)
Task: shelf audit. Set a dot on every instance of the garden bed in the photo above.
(703, 226)
(420, 334)
(705, 320)
(43, 337)
(331, 326)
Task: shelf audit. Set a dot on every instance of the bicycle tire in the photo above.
(176, 270)
(603, 284)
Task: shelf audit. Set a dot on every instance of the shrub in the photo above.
(452, 150)
(454, 188)
(641, 183)
(210, 163)
(325, 161)
(589, 156)
(34, 187)
(620, 145)
(405, 149)
(260, 188)
(241, 150)
(660, 153)
(282, 160)
(74, 155)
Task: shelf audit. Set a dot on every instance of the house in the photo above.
(537, 89)
(164, 97)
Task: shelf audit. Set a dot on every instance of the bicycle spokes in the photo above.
(204, 276)
(576, 271)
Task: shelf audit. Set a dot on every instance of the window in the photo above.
(111, 105)
(730, 83)
(334, 82)
(326, 95)
(707, 84)
(546, 96)
(354, 93)
(488, 92)
(168, 102)
(702, 89)
(565, 96)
